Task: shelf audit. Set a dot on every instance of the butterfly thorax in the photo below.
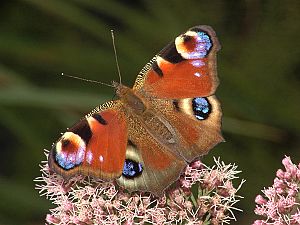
(138, 107)
(130, 98)
(141, 111)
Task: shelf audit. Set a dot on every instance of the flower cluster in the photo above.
(202, 195)
(280, 203)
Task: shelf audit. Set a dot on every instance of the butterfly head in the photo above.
(121, 89)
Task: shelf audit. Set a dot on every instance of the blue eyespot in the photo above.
(201, 108)
(132, 169)
(203, 44)
(67, 160)
(204, 39)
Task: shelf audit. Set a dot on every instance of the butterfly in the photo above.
(169, 118)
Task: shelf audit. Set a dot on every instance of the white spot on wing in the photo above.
(198, 63)
(101, 158)
(197, 74)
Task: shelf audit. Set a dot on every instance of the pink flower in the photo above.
(85, 200)
(280, 203)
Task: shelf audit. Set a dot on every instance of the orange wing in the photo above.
(171, 134)
(185, 68)
(149, 165)
(95, 146)
(198, 125)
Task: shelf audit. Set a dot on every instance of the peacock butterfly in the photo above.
(169, 118)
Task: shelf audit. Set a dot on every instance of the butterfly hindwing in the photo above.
(179, 131)
(184, 68)
(198, 124)
(95, 146)
(150, 164)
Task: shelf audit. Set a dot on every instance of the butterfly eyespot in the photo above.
(201, 108)
(186, 38)
(194, 44)
(69, 151)
(132, 169)
(65, 143)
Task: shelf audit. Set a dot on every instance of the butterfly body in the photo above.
(144, 139)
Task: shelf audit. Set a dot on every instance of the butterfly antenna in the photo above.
(87, 80)
(116, 56)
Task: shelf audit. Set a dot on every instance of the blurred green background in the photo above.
(258, 67)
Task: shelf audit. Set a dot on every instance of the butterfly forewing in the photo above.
(184, 68)
(95, 146)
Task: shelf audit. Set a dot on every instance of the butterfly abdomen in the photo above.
(159, 127)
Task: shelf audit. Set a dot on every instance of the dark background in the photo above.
(258, 67)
